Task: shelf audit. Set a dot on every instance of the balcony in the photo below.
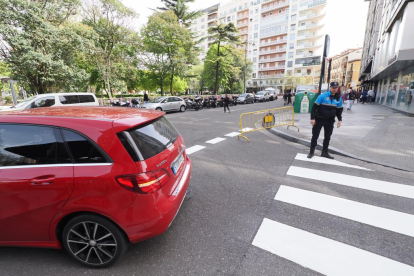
(305, 55)
(275, 6)
(243, 32)
(310, 36)
(311, 4)
(212, 18)
(309, 45)
(274, 33)
(266, 60)
(240, 25)
(273, 42)
(271, 76)
(271, 24)
(310, 26)
(274, 51)
(271, 68)
(311, 63)
(311, 16)
(242, 16)
(272, 17)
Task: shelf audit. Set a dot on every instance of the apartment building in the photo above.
(388, 56)
(345, 68)
(283, 38)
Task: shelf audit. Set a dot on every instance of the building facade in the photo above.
(283, 38)
(345, 68)
(388, 65)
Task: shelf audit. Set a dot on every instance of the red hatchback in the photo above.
(89, 179)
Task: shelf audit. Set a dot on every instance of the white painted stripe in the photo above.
(354, 181)
(247, 129)
(216, 140)
(233, 134)
(199, 120)
(376, 216)
(324, 255)
(194, 149)
(322, 160)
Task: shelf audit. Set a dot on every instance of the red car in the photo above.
(89, 179)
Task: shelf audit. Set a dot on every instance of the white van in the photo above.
(56, 99)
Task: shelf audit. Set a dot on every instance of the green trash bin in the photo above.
(304, 101)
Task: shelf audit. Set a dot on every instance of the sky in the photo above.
(345, 20)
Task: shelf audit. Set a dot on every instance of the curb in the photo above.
(295, 139)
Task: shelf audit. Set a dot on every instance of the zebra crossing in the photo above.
(327, 255)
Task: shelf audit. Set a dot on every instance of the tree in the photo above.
(181, 10)
(167, 48)
(222, 34)
(112, 22)
(241, 68)
(4, 72)
(41, 45)
(210, 77)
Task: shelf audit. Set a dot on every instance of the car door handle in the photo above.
(43, 180)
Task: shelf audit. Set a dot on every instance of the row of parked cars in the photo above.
(89, 179)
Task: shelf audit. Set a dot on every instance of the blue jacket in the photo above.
(326, 108)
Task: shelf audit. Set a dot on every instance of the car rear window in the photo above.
(73, 99)
(86, 98)
(150, 139)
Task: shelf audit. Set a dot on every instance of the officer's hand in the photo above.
(339, 124)
(312, 122)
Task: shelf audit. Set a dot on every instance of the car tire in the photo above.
(182, 108)
(94, 241)
(158, 109)
(245, 102)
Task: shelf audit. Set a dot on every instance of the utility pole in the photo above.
(329, 70)
(325, 54)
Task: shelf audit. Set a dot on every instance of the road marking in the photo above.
(215, 140)
(194, 149)
(376, 216)
(247, 129)
(233, 134)
(322, 160)
(354, 181)
(324, 255)
(200, 120)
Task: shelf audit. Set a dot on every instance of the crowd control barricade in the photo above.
(265, 119)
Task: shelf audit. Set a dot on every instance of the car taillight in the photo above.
(144, 183)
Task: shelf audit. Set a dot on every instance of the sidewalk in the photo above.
(372, 133)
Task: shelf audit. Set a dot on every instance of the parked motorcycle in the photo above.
(189, 104)
(120, 104)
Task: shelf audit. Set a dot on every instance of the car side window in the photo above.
(69, 99)
(171, 100)
(28, 145)
(177, 99)
(43, 102)
(83, 150)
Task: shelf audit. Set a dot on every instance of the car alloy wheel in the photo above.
(182, 108)
(93, 240)
(159, 109)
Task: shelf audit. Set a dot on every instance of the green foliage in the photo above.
(8, 99)
(179, 85)
(40, 46)
(181, 10)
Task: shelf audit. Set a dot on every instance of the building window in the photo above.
(203, 26)
(291, 45)
(290, 63)
(294, 8)
(292, 36)
(293, 18)
(256, 35)
(203, 19)
(290, 54)
(406, 91)
(293, 27)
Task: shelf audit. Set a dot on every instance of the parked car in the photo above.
(56, 99)
(166, 104)
(245, 98)
(91, 180)
(262, 96)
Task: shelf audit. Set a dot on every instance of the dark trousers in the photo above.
(226, 106)
(316, 130)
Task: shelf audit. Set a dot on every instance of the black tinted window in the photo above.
(153, 138)
(43, 102)
(69, 99)
(31, 145)
(83, 151)
(86, 98)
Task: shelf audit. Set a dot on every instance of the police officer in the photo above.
(326, 107)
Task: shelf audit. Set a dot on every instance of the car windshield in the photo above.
(157, 100)
(243, 95)
(260, 93)
(24, 102)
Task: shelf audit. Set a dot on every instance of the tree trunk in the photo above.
(171, 83)
(107, 78)
(217, 69)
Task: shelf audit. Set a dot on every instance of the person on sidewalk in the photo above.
(364, 96)
(351, 99)
(326, 107)
(146, 99)
(371, 95)
(289, 98)
(285, 98)
(226, 103)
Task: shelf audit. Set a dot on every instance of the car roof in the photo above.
(121, 117)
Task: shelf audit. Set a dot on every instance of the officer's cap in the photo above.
(334, 84)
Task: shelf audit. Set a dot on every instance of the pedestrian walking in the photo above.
(326, 107)
(285, 99)
(289, 97)
(351, 98)
(371, 95)
(226, 103)
(146, 99)
(364, 96)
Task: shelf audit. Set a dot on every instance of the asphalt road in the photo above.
(233, 225)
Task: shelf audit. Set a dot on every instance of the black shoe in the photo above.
(311, 153)
(326, 154)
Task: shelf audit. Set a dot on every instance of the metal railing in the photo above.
(266, 119)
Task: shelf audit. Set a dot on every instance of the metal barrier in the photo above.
(265, 119)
